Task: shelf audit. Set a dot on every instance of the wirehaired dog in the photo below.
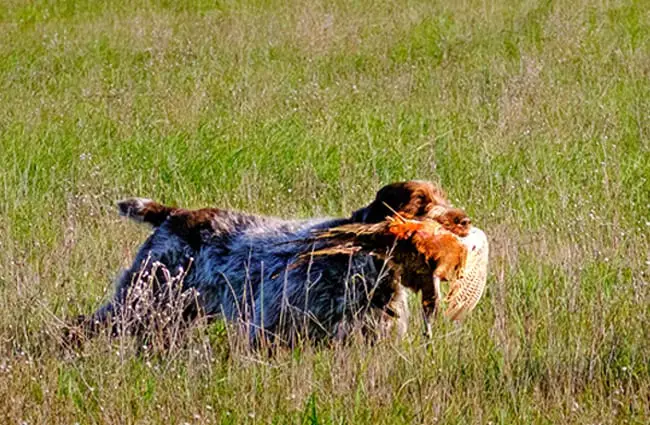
(243, 267)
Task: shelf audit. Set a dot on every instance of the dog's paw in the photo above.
(133, 208)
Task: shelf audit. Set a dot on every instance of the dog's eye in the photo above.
(457, 220)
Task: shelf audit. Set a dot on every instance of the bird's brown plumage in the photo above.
(421, 248)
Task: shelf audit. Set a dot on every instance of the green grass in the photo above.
(533, 115)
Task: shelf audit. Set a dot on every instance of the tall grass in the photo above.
(533, 115)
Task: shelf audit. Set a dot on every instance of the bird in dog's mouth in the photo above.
(427, 252)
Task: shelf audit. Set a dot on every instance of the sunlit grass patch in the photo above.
(533, 116)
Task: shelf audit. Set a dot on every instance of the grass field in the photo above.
(534, 115)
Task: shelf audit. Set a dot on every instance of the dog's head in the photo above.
(411, 199)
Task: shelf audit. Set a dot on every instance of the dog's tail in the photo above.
(145, 210)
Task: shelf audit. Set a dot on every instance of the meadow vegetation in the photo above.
(534, 115)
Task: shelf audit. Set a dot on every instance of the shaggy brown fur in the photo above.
(411, 199)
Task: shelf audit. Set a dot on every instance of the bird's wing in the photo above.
(466, 291)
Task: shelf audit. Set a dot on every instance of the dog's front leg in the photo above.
(431, 296)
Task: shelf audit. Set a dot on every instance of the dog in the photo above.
(242, 267)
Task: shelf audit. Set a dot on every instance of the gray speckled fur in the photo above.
(242, 272)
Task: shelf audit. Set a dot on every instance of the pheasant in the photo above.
(426, 253)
